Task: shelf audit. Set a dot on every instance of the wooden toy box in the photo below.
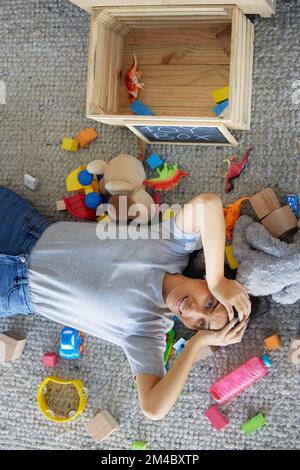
(185, 51)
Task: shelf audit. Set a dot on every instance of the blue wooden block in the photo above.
(219, 108)
(140, 108)
(154, 161)
(179, 345)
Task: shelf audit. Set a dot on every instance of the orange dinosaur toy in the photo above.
(232, 213)
(132, 78)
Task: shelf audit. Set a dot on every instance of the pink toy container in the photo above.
(239, 379)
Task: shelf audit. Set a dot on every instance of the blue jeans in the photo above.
(20, 227)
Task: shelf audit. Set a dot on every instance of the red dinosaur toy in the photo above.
(132, 78)
(235, 168)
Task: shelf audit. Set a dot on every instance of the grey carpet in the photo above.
(43, 57)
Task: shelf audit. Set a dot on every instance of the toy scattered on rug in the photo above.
(50, 359)
(71, 344)
(82, 139)
(124, 175)
(232, 213)
(168, 178)
(75, 205)
(61, 400)
(267, 266)
(101, 426)
(276, 219)
(31, 182)
(235, 168)
(292, 200)
(132, 80)
(11, 346)
(253, 424)
(139, 445)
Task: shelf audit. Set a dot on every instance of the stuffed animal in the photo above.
(124, 175)
(267, 266)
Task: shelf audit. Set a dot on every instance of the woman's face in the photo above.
(191, 301)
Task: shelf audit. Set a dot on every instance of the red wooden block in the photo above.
(50, 359)
(216, 418)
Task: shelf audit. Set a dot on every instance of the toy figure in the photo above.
(132, 78)
(232, 213)
(235, 168)
(168, 178)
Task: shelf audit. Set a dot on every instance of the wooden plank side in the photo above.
(263, 7)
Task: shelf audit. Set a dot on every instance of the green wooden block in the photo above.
(253, 424)
(139, 445)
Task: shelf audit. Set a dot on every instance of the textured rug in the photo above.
(43, 58)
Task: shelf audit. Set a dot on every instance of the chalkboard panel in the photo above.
(173, 134)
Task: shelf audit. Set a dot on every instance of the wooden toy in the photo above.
(280, 221)
(181, 74)
(216, 418)
(205, 352)
(31, 182)
(294, 351)
(235, 168)
(11, 346)
(85, 137)
(292, 200)
(253, 424)
(179, 345)
(272, 342)
(140, 108)
(168, 178)
(50, 359)
(101, 426)
(221, 94)
(139, 445)
(232, 213)
(132, 80)
(154, 161)
(168, 214)
(264, 202)
(230, 257)
(69, 144)
(220, 108)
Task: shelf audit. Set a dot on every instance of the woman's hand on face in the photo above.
(230, 334)
(232, 294)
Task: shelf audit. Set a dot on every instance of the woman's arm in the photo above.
(204, 214)
(157, 396)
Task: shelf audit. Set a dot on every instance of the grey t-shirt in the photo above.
(108, 288)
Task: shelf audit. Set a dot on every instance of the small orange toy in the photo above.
(272, 342)
(85, 137)
(232, 213)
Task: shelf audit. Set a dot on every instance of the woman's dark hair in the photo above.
(259, 305)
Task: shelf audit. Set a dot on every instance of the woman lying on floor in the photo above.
(125, 291)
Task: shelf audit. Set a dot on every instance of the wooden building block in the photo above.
(11, 346)
(50, 359)
(272, 342)
(205, 352)
(101, 426)
(221, 94)
(264, 202)
(294, 351)
(85, 137)
(216, 418)
(230, 257)
(280, 221)
(69, 144)
(61, 205)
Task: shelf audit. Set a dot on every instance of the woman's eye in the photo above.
(209, 303)
(201, 324)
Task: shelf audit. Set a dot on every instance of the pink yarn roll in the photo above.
(239, 379)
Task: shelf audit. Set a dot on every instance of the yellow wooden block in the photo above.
(230, 257)
(69, 144)
(221, 94)
(169, 214)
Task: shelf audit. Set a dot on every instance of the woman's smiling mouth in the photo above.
(180, 304)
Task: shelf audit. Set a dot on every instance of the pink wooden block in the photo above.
(50, 359)
(216, 418)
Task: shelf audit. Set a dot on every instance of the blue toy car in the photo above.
(71, 344)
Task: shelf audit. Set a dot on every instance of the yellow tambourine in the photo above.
(42, 390)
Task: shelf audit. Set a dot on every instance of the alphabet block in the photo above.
(101, 426)
(280, 221)
(294, 351)
(11, 346)
(264, 202)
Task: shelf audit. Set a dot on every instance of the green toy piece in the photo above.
(170, 338)
(168, 177)
(253, 424)
(139, 445)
